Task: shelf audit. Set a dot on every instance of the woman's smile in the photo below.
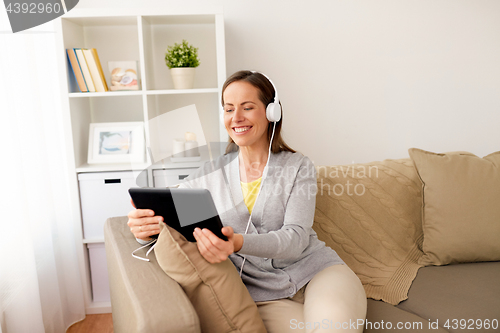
(241, 130)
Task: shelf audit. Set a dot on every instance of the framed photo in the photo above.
(116, 143)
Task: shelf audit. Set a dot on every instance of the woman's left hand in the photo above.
(214, 249)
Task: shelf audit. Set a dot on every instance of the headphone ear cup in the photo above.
(273, 112)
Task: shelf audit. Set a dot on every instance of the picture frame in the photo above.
(121, 142)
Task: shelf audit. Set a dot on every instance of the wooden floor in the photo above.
(98, 323)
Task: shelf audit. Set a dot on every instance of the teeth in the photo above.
(241, 129)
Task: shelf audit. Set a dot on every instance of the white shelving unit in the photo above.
(144, 37)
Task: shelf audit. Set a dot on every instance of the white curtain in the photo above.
(40, 285)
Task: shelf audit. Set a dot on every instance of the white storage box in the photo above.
(99, 272)
(169, 177)
(104, 195)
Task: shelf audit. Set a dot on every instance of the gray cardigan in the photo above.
(282, 250)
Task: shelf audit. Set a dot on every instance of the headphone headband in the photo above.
(273, 110)
(276, 98)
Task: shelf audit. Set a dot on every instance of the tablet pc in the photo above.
(183, 209)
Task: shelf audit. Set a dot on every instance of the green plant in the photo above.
(182, 55)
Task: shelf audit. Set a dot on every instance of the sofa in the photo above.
(374, 216)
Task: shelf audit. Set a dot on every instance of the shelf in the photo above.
(164, 164)
(105, 94)
(217, 149)
(144, 92)
(102, 21)
(158, 32)
(182, 91)
(93, 241)
(111, 167)
(180, 19)
(167, 164)
(99, 33)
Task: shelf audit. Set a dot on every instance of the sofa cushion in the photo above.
(383, 317)
(461, 210)
(370, 215)
(216, 291)
(469, 291)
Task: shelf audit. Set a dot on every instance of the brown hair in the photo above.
(266, 96)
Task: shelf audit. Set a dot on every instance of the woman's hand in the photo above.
(143, 223)
(214, 249)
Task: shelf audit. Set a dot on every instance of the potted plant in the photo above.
(182, 59)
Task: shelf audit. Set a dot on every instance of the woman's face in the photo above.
(245, 115)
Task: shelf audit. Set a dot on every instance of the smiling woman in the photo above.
(290, 274)
(250, 92)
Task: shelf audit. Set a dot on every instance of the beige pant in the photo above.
(333, 301)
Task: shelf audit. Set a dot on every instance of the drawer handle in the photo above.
(181, 177)
(112, 181)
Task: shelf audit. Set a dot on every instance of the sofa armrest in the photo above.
(143, 297)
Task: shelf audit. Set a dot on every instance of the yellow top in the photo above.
(250, 191)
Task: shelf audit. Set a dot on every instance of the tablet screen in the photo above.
(193, 206)
(183, 209)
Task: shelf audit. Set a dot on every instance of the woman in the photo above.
(297, 282)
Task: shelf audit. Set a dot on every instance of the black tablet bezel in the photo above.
(160, 201)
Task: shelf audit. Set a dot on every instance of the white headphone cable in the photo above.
(153, 242)
(264, 175)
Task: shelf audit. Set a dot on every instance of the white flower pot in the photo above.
(183, 77)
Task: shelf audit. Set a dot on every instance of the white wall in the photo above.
(364, 80)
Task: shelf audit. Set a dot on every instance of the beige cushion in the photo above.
(461, 206)
(216, 291)
(382, 317)
(468, 291)
(370, 215)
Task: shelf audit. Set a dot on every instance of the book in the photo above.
(94, 71)
(99, 67)
(76, 70)
(85, 70)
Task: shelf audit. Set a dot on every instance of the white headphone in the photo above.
(273, 110)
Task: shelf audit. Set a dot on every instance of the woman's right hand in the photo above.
(143, 223)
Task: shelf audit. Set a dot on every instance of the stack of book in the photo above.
(87, 70)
